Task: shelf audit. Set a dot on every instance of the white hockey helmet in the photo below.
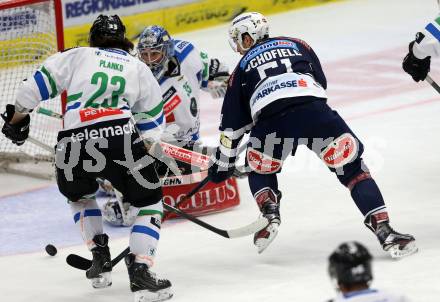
(252, 23)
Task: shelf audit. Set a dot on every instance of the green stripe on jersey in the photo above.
(437, 21)
(53, 86)
(150, 114)
(74, 97)
(205, 73)
(150, 212)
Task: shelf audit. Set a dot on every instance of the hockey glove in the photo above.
(220, 167)
(217, 70)
(417, 68)
(17, 132)
(217, 89)
(218, 77)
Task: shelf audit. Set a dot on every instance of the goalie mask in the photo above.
(106, 28)
(350, 264)
(254, 24)
(155, 48)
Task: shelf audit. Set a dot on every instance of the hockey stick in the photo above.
(82, 263)
(172, 151)
(247, 230)
(41, 144)
(433, 83)
(189, 195)
(178, 153)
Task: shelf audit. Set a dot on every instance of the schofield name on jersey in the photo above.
(260, 50)
(270, 55)
(103, 132)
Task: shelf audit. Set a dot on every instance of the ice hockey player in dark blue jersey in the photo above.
(277, 92)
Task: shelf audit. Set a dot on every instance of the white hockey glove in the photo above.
(218, 79)
(217, 89)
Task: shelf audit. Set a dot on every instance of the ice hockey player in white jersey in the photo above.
(417, 62)
(105, 87)
(351, 272)
(182, 71)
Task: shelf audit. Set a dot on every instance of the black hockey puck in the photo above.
(51, 250)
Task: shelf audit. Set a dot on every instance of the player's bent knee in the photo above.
(262, 163)
(341, 151)
(353, 173)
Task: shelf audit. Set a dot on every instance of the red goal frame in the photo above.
(59, 26)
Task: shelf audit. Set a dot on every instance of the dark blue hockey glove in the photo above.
(17, 132)
(220, 167)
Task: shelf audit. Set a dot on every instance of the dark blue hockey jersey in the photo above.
(273, 73)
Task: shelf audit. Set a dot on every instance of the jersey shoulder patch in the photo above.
(182, 49)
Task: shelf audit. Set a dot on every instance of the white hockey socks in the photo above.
(88, 217)
(145, 233)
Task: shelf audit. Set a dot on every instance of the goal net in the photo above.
(30, 31)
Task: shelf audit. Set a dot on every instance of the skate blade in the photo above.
(263, 243)
(409, 249)
(147, 296)
(104, 280)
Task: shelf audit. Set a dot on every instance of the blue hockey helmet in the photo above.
(155, 48)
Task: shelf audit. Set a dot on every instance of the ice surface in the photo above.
(361, 45)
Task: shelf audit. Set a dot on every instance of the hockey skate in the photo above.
(144, 284)
(396, 244)
(270, 208)
(100, 271)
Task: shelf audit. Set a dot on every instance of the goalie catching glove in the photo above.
(17, 132)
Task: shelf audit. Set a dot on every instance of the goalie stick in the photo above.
(82, 263)
(180, 154)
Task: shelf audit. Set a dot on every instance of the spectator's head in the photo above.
(109, 32)
(350, 267)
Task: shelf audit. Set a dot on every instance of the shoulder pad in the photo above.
(182, 49)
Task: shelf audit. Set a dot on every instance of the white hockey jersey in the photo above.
(369, 295)
(101, 85)
(428, 41)
(181, 93)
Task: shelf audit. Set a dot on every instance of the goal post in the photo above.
(30, 31)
